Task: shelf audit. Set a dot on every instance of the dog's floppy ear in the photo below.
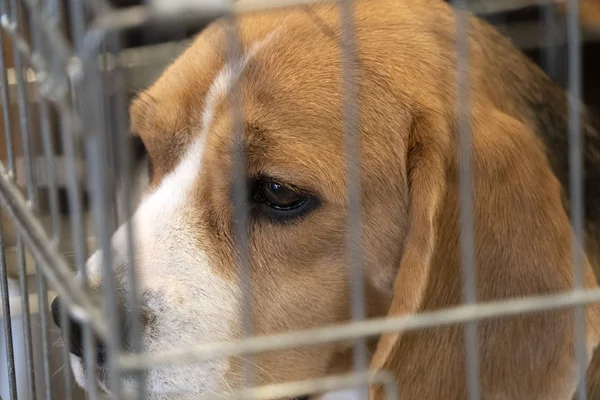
(522, 247)
(427, 164)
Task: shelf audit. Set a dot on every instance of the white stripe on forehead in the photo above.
(228, 77)
(177, 183)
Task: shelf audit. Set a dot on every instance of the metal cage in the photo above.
(66, 62)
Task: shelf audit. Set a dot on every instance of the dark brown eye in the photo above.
(280, 202)
(281, 197)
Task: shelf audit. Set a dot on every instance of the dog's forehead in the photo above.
(291, 100)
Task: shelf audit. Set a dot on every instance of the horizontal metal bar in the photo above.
(192, 9)
(143, 65)
(184, 10)
(353, 330)
(487, 7)
(98, 6)
(313, 386)
(124, 18)
(316, 386)
(179, 8)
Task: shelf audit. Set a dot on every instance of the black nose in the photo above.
(75, 334)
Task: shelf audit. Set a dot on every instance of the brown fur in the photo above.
(293, 131)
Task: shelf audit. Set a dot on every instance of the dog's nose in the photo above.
(75, 334)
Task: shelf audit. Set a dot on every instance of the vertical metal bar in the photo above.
(29, 179)
(234, 52)
(90, 360)
(5, 98)
(50, 172)
(109, 132)
(351, 131)
(576, 185)
(77, 14)
(26, 318)
(60, 46)
(8, 342)
(70, 133)
(44, 114)
(53, 11)
(43, 310)
(467, 236)
(549, 56)
(22, 100)
(53, 200)
(125, 162)
(78, 23)
(96, 151)
(66, 334)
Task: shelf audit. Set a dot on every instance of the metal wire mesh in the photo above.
(68, 72)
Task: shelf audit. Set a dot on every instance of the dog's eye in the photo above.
(279, 201)
(279, 196)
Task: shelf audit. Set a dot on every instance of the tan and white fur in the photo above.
(289, 77)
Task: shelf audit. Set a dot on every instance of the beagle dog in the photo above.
(287, 81)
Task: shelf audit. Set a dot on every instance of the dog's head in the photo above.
(287, 84)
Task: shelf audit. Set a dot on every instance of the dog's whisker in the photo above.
(226, 383)
(59, 370)
(254, 364)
